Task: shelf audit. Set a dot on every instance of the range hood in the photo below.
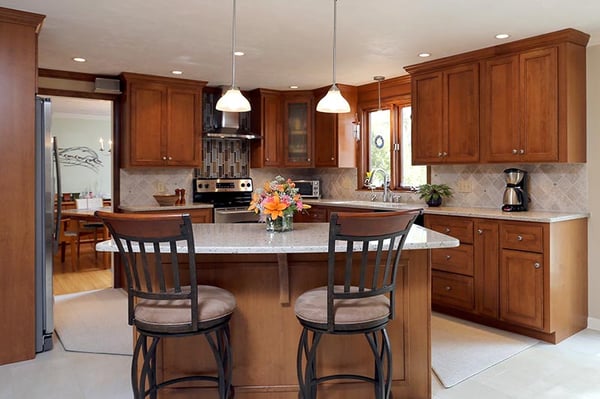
(224, 125)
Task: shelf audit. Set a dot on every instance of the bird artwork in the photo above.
(80, 156)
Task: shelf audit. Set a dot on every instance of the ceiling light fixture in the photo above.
(238, 53)
(379, 79)
(177, 72)
(79, 59)
(502, 36)
(293, 87)
(333, 102)
(233, 100)
(424, 55)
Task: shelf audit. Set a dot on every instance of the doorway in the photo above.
(83, 129)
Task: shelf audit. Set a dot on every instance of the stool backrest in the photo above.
(148, 248)
(374, 243)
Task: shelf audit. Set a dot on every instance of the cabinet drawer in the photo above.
(522, 236)
(454, 260)
(457, 227)
(452, 290)
(312, 215)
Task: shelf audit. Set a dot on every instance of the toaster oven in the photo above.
(309, 188)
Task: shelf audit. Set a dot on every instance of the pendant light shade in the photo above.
(233, 100)
(333, 102)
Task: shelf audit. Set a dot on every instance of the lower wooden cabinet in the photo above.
(527, 277)
(322, 213)
(201, 215)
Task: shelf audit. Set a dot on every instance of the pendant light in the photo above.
(333, 102)
(233, 100)
(379, 79)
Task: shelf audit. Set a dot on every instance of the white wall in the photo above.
(83, 166)
(593, 161)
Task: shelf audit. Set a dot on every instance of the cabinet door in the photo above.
(539, 104)
(183, 125)
(147, 138)
(500, 110)
(271, 132)
(486, 255)
(427, 122)
(298, 132)
(522, 288)
(461, 118)
(326, 140)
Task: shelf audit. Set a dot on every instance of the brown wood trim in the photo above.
(70, 75)
(284, 279)
(130, 76)
(22, 17)
(80, 94)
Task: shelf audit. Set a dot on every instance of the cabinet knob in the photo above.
(445, 154)
(333, 158)
(164, 158)
(447, 230)
(448, 257)
(537, 265)
(522, 151)
(170, 158)
(267, 159)
(519, 238)
(307, 159)
(479, 231)
(448, 288)
(439, 154)
(514, 151)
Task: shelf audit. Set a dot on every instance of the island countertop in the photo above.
(252, 238)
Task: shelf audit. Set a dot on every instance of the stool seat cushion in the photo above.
(213, 303)
(311, 306)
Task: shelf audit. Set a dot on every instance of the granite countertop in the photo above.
(488, 213)
(149, 208)
(252, 238)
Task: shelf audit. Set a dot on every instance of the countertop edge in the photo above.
(150, 208)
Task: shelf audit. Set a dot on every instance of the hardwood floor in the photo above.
(93, 272)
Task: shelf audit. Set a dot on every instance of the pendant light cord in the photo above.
(379, 93)
(233, 48)
(334, 35)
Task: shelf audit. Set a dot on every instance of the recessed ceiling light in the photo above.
(238, 53)
(424, 55)
(293, 87)
(79, 59)
(177, 72)
(502, 36)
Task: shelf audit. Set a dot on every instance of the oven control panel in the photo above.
(223, 185)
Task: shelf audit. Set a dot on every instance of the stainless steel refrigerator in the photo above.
(47, 223)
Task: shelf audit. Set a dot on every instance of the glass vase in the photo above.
(282, 223)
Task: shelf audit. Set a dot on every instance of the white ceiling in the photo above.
(286, 41)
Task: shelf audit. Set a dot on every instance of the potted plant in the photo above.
(434, 193)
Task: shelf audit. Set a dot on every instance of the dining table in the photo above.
(76, 216)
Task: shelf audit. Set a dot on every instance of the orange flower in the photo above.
(274, 207)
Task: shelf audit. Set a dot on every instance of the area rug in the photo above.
(461, 349)
(94, 322)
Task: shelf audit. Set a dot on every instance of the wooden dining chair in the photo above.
(68, 237)
(89, 231)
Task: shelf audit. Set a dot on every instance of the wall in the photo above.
(83, 166)
(593, 144)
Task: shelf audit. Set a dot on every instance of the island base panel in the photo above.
(265, 332)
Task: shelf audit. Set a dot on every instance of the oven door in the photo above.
(235, 215)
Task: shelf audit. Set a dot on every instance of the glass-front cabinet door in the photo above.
(298, 131)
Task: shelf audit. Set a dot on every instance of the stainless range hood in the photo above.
(224, 125)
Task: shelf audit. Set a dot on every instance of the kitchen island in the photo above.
(266, 272)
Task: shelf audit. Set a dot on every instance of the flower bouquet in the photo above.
(276, 202)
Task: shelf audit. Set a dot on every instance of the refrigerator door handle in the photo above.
(58, 195)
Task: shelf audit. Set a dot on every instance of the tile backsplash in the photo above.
(552, 187)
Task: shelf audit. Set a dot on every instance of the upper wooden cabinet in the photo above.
(298, 140)
(162, 121)
(445, 106)
(530, 94)
(266, 121)
(335, 144)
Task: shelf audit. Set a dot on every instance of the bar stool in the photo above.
(163, 303)
(358, 298)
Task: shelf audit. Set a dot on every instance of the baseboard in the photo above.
(594, 323)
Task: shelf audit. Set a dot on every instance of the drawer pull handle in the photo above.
(519, 238)
(447, 230)
(448, 257)
(448, 288)
(537, 265)
(479, 231)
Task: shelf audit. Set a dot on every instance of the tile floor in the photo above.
(569, 370)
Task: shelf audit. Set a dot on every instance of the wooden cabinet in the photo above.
(266, 121)
(162, 119)
(198, 215)
(531, 101)
(18, 72)
(335, 143)
(445, 124)
(527, 277)
(298, 129)
(322, 213)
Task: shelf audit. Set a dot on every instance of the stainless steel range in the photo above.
(230, 197)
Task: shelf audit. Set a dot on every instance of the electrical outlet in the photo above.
(464, 186)
(160, 186)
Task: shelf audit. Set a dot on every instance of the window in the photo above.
(387, 149)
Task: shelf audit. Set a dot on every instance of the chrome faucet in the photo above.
(387, 193)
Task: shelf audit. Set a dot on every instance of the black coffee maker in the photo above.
(515, 194)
